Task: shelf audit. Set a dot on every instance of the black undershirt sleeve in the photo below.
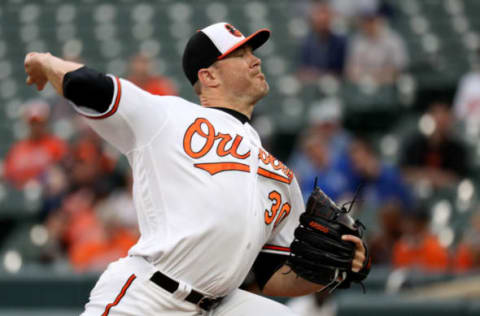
(88, 88)
(266, 265)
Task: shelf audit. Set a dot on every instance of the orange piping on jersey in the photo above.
(120, 295)
(278, 248)
(268, 174)
(216, 167)
(115, 105)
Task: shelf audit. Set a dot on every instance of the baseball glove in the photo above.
(318, 253)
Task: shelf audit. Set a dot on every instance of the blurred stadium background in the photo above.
(442, 40)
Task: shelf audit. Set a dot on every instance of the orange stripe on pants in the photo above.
(120, 295)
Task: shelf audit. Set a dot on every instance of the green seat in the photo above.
(383, 305)
(20, 241)
(17, 204)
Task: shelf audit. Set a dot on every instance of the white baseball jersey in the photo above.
(209, 198)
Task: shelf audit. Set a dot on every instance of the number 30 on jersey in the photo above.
(277, 205)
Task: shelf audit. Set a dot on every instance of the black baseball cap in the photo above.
(215, 42)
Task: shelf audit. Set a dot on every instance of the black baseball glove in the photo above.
(318, 253)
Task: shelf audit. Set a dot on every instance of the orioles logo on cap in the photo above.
(233, 30)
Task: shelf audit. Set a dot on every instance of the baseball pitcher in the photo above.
(212, 203)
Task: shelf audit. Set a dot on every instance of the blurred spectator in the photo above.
(383, 184)
(89, 160)
(323, 51)
(117, 209)
(466, 105)
(376, 54)
(326, 119)
(322, 150)
(95, 228)
(29, 158)
(390, 230)
(436, 157)
(108, 231)
(419, 248)
(467, 255)
(331, 174)
(55, 187)
(350, 9)
(140, 73)
(87, 165)
(384, 197)
(77, 200)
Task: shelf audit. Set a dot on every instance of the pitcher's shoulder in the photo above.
(177, 101)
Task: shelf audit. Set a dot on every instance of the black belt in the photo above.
(194, 297)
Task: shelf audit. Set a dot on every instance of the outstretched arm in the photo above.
(42, 68)
(123, 114)
(83, 86)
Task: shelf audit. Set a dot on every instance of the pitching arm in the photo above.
(123, 114)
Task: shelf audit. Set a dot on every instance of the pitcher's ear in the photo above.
(208, 77)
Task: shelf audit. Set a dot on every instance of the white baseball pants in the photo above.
(125, 289)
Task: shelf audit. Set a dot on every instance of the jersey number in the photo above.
(270, 215)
